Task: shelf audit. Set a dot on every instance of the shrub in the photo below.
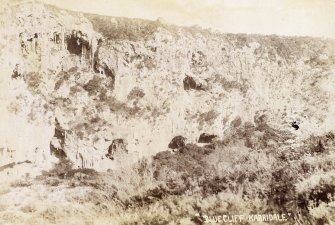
(21, 183)
(136, 93)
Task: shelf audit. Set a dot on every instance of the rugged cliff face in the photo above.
(103, 90)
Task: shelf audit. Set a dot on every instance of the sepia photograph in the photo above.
(167, 112)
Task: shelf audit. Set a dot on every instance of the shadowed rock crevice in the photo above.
(190, 83)
(295, 125)
(58, 142)
(206, 138)
(118, 147)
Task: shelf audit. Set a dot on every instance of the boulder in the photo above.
(177, 142)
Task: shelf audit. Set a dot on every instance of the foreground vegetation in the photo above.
(254, 170)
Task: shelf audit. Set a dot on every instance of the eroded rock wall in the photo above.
(105, 79)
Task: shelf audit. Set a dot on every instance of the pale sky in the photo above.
(283, 17)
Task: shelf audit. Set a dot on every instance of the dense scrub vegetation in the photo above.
(246, 173)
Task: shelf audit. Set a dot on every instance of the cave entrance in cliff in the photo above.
(73, 44)
(78, 43)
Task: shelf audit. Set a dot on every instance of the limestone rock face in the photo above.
(146, 82)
